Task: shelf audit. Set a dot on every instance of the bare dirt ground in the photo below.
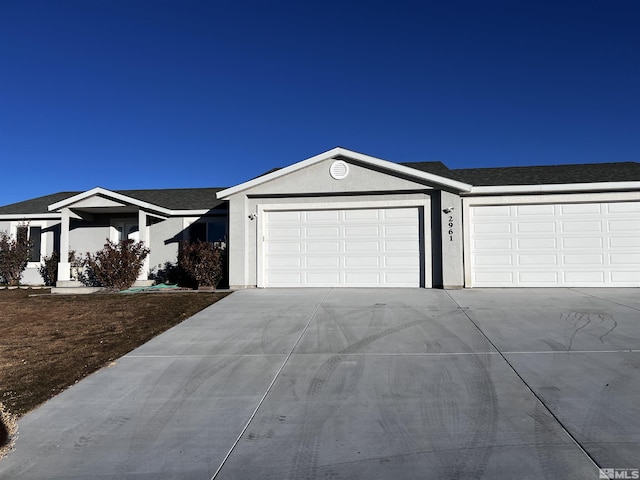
(49, 342)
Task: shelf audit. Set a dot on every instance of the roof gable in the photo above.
(344, 154)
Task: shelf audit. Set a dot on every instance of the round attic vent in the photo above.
(339, 170)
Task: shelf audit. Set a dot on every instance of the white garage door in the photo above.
(586, 244)
(342, 248)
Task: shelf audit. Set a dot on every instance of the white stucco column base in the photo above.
(64, 271)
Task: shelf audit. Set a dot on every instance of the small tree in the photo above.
(204, 261)
(117, 265)
(14, 255)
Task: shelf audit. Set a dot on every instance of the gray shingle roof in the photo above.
(170, 198)
(35, 205)
(205, 198)
(178, 198)
(536, 175)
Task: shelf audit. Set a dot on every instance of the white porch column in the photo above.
(143, 231)
(64, 267)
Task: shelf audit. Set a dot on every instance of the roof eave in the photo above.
(30, 216)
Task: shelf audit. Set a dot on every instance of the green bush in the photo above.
(14, 255)
(116, 266)
(203, 261)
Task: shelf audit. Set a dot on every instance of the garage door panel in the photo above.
(322, 232)
(284, 247)
(292, 279)
(584, 276)
(492, 228)
(588, 244)
(361, 214)
(583, 259)
(580, 209)
(495, 278)
(355, 247)
(594, 226)
(367, 231)
(399, 214)
(625, 277)
(401, 230)
(625, 259)
(316, 247)
(285, 216)
(493, 260)
(523, 210)
(492, 243)
(539, 260)
(361, 278)
(351, 247)
(323, 262)
(286, 232)
(401, 279)
(278, 262)
(545, 277)
(570, 243)
(399, 261)
(624, 226)
(312, 216)
(623, 242)
(536, 227)
(494, 211)
(624, 207)
(535, 243)
(320, 278)
(358, 262)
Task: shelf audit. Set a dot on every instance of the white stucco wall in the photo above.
(163, 241)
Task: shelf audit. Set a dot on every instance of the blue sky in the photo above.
(162, 94)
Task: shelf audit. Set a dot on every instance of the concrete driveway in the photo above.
(359, 384)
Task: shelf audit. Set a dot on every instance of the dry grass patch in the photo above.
(49, 342)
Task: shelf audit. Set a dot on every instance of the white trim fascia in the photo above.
(339, 151)
(560, 187)
(565, 197)
(68, 202)
(29, 216)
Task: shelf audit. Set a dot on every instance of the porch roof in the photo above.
(170, 199)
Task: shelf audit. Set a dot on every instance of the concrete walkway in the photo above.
(359, 384)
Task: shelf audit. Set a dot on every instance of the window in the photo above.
(213, 230)
(34, 234)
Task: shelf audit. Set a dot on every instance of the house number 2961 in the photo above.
(450, 224)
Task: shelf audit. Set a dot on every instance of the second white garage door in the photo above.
(549, 245)
(342, 248)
